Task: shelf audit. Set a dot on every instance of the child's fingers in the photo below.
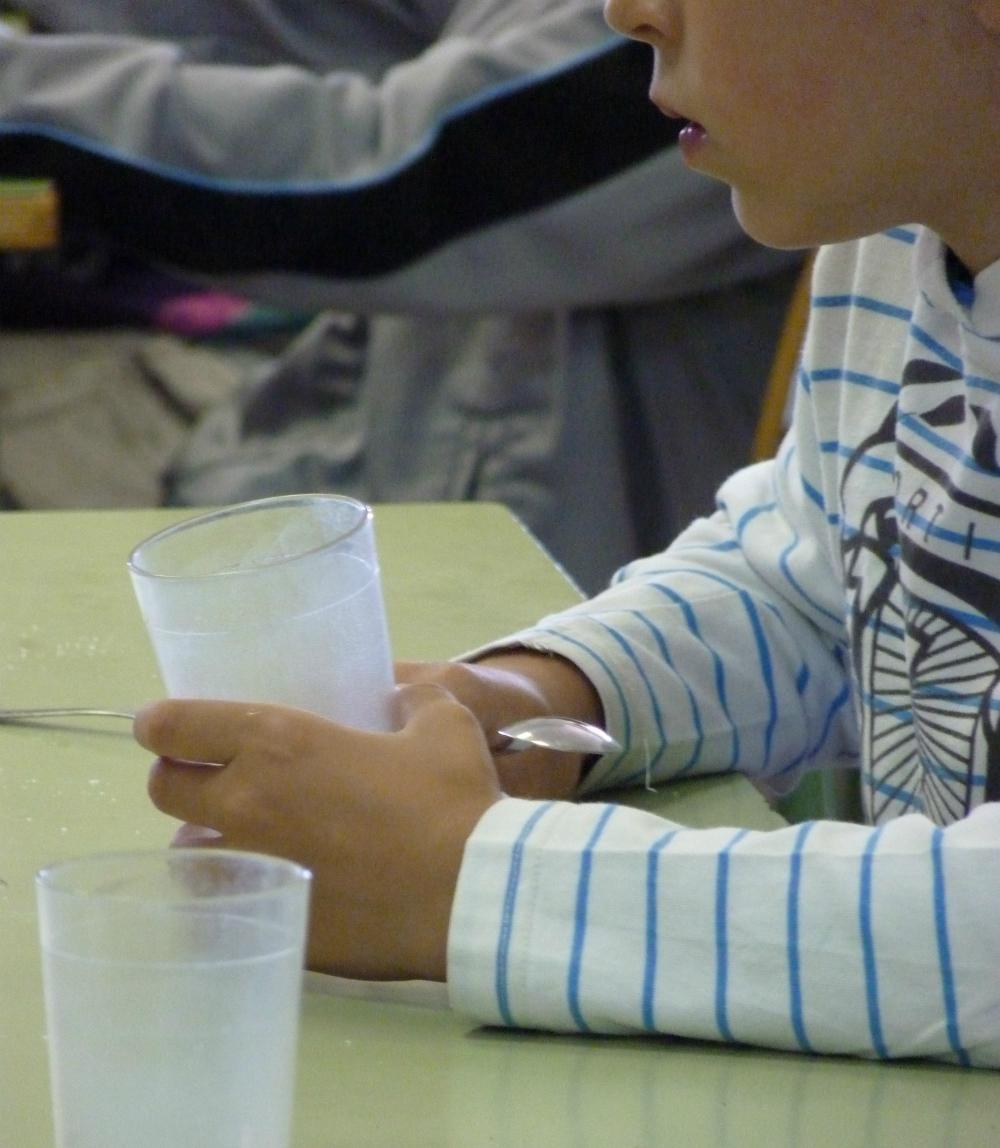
(197, 837)
(429, 711)
(187, 792)
(193, 730)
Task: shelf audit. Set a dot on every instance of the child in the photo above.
(842, 603)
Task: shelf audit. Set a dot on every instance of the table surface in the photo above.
(390, 1065)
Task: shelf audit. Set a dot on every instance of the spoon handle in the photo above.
(38, 712)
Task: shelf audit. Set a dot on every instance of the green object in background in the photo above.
(14, 18)
(824, 794)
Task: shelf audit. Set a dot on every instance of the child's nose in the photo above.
(651, 21)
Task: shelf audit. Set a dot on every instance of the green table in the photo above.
(388, 1065)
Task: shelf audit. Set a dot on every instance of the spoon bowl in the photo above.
(567, 735)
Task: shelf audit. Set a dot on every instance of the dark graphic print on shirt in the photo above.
(928, 677)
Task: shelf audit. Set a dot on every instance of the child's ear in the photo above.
(988, 14)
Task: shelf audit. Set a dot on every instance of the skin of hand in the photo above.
(510, 685)
(380, 819)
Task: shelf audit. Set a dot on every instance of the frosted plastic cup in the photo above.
(278, 600)
(172, 992)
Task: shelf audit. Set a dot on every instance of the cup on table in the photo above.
(172, 990)
(277, 600)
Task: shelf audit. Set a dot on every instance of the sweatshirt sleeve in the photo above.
(363, 35)
(821, 937)
(497, 165)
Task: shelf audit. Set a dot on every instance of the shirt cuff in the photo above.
(515, 914)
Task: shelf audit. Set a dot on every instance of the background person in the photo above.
(453, 177)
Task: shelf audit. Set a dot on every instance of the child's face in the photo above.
(829, 120)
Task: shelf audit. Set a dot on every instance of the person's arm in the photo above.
(381, 820)
(820, 938)
(497, 167)
(507, 686)
(712, 656)
(367, 35)
(727, 651)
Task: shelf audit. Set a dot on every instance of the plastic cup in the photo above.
(172, 991)
(278, 600)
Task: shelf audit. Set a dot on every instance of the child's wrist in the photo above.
(565, 687)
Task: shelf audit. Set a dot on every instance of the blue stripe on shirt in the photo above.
(944, 949)
(592, 653)
(849, 452)
(921, 429)
(907, 798)
(813, 493)
(695, 755)
(794, 966)
(722, 937)
(763, 649)
(718, 668)
(763, 653)
(832, 711)
(927, 340)
(862, 303)
(868, 946)
(507, 913)
(767, 672)
(786, 569)
(957, 537)
(855, 378)
(975, 620)
(654, 701)
(978, 383)
(580, 922)
(900, 233)
(652, 928)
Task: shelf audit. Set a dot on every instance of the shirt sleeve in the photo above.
(364, 36)
(493, 166)
(712, 656)
(730, 651)
(821, 937)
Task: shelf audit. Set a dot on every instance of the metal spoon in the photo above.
(568, 735)
(561, 733)
(39, 713)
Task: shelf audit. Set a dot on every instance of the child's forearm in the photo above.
(568, 691)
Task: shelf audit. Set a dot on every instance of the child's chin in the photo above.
(774, 228)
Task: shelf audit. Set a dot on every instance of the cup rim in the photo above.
(364, 516)
(51, 877)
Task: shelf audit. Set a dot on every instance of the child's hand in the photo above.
(380, 819)
(506, 687)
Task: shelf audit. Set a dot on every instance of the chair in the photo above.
(771, 422)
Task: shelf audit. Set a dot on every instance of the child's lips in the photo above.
(693, 127)
(692, 131)
(692, 135)
(690, 140)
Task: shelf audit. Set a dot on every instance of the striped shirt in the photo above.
(841, 606)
